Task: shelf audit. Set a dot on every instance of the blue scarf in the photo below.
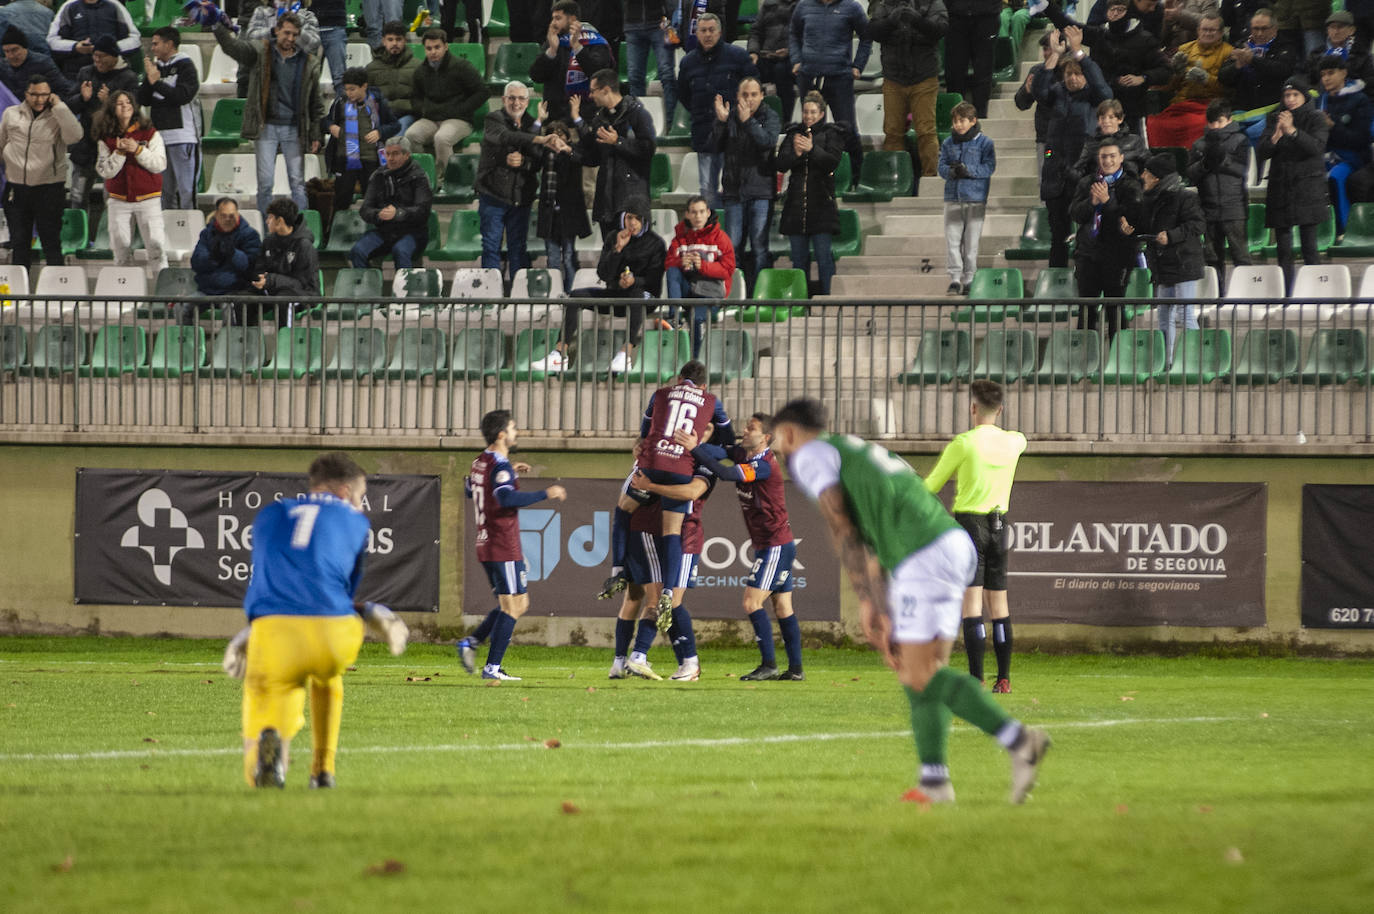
(689, 37)
(577, 82)
(1097, 210)
(353, 149)
(1259, 50)
(1343, 52)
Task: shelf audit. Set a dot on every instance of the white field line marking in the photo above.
(721, 742)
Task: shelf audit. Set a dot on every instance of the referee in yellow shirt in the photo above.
(984, 457)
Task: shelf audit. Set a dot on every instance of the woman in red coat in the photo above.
(700, 264)
(130, 157)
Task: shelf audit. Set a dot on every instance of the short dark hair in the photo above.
(694, 371)
(223, 200)
(695, 198)
(494, 423)
(765, 422)
(1332, 62)
(606, 79)
(964, 111)
(355, 76)
(434, 34)
(809, 413)
(1111, 106)
(292, 19)
(334, 467)
(168, 33)
(1108, 142)
(37, 78)
(285, 209)
(395, 27)
(1218, 108)
(567, 6)
(987, 394)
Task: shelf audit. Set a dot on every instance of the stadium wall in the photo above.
(36, 543)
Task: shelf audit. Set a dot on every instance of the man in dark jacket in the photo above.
(106, 73)
(1218, 165)
(225, 255)
(170, 91)
(1341, 41)
(288, 263)
(1295, 139)
(20, 65)
(1172, 219)
(508, 178)
(1255, 72)
(1024, 98)
(572, 53)
(396, 205)
(746, 136)
(78, 23)
(713, 69)
(392, 72)
(821, 57)
(769, 50)
(910, 32)
(970, 42)
(446, 94)
(631, 267)
(1105, 254)
(620, 138)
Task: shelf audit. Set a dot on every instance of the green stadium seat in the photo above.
(531, 346)
(418, 283)
(1326, 236)
(772, 101)
(425, 162)
(729, 355)
(460, 174)
(99, 247)
(772, 284)
(57, 350)
(844, 175)
(478, 118)
(315, 223)
(1267, 357)
(512, 61)
(478, 353)
(464, 238)
(882, 176)
(300, 352)
(499, 23)
(225, 123)
(1200, 357)
(660, 175)
(237, 352)
(1136, 356)
(473, 53)
(117, 349)
(361, 353)
(1070, 356)
(944, 111)
(417, 353)
(176, 351)
(941, 356)
(1359, 233)
(661, 355)
(1052, 285)
(347, 228)
(850, 241)
(1138, 285)
(1006, 356)
(14, 348)
(1004, 59)
(165, 12)
(1004, 283)
(435, 239)
(173, 285)
(595, 349)
(351, 282)
(75, 232)
(1035, 237)
(679, 132)
(1256, 234)
(1335, 357)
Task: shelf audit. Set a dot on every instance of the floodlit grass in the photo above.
(1174, 785)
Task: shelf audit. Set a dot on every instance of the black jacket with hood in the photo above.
(642, 256)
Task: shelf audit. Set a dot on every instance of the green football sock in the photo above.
(963, 695)
(930, 727)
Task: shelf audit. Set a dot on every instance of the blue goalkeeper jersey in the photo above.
(307, 557)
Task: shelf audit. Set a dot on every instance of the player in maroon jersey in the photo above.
(492, 486)
(757, 476)
(684, 406)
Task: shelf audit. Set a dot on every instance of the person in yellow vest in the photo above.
(984, 457)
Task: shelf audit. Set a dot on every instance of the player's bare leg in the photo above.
(513, 606)
(975, 631)
(767, 669)
(630, 608)
(995, 603)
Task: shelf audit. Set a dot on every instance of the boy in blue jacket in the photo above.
(967, 161)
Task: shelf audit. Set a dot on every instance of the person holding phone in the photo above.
(809, 153)
(34, 137)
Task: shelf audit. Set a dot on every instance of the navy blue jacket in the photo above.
(223, 261)
(705, 74)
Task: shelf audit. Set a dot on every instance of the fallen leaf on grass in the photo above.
(570, 808)
(493, 682)
(855, 679)
(1204, 809)
(11, 705)
(589, 689)
(524, 698)
(353, 669)
(1127, 698)
(387, 867)
(151, 713)
(417, 679)
(1122, 809)
(144, 767)
(149, 739)
(1264, 715)
(552, 743)
(729, 675)
(1233, 855)
(208, 681)
(65, 866)
(529, 739)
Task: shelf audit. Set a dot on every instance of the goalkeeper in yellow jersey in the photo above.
(984, 457)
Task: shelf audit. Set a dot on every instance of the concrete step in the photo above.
(930, 245)
(995, 224)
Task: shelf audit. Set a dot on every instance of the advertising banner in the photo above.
(1337, 575)
(567, 547)
(184, 538)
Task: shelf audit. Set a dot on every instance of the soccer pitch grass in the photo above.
(1174, 785)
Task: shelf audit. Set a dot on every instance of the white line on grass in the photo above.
(720, 742)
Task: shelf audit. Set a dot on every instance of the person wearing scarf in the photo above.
(967, 161)
(1105, 255)
(358, 124)
(1171, 219)
(1349, 113)
(1254, 74)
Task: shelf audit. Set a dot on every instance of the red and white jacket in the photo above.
(135, 178)
(711, 242)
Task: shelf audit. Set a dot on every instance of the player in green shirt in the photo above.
(985, 457)
(910, 563)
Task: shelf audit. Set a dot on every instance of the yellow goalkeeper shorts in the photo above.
(284, 654)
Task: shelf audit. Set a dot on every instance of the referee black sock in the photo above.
(1001, 646)
(975, 645)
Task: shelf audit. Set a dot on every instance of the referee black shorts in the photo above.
(991, 538)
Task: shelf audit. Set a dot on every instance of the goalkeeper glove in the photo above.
(386, 626)
(235, 660)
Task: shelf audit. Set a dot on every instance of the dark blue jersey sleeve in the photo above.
(646, 424)
(713, 458)
(725, 432)
(510, 497)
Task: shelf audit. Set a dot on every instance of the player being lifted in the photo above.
(754, 470)
(684, 406)
(909, 562)
(496, 502)
(304, 628)
(985, 458)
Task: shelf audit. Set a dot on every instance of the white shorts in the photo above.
(925, 594)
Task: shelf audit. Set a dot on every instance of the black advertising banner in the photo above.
(1114, 553)
(184, 538)
(1337, 575)
(567, 547)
